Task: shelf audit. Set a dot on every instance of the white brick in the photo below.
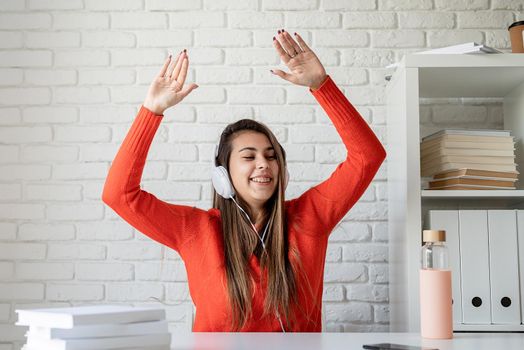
(310, 172)
(9, 116)
(113, 5)
(195, 133)
(365, 328)
(344, 5)
(380, 232)
(107, 114)
(104, 271)
(459, 114)
(25, 134)
(81, 292)
(82, 21)
(255, 20)
(484, 19)
(366, 95)
(22, 96)
(7, 231)
(341, 38)
(175, 191)
(5, 311)
(60, 192)
(330, 154)
(25, 172)
(350, 312)
(470, 5)
(134, 251)
(21, 211)
(290, 5)
(206, 95)
(51, 115)
(397, 38)
(333, 292)
(7, 5)
(55, 4)
(366, 292)
(82, 134)
(128, 94)
(498, 38)
(10, 192)
(313, 20)
(223, 75)
(394, 5)
(104, 231)
(25, 21)
(81, 95)
(139, 20)
(345, 272)
(251, 57)
(6, 270)
(378, 273)
(37, 154)
(41, 40)
(299, 153)
(256, 95)
(177, 292)
(46, 232)
(134, 291)
(80, 251)
(365, 252)
(196, 19)
(230, 5)
(81, 58)
(163, 271)
(11, 40)
(9, 154)
(173, 5)
(21, 291)
(351, 232)
(164, 38)
(359, 20)
(106, 77)
(381, 313)
(443, 38)
(11, 76)
(80, 171)
(223, 113)
(334, 253)
(154, 171)
(108, 39)
(50, 77)
(75, 212)
(28, 251)
(368, 211)
(45, 271)
(138, 57)
(222, 38)
(189, 172)
(98, 152)
(426, 20)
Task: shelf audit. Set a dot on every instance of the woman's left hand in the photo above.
(304, 66)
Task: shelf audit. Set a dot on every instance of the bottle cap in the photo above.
(434, 236)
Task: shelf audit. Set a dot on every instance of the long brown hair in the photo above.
(240, 241)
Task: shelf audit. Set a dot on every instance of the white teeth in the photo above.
(261, 179)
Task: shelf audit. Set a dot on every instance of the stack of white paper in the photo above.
(471, 47)
(95, 327)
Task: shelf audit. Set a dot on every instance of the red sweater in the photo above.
(197, 236)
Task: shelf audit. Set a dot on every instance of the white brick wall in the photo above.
(73, 74)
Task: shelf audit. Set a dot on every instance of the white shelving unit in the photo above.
(440, 76)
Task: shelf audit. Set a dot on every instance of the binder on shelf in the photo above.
(448, 220)
(474, 263)
(520, 235)
(504, 271)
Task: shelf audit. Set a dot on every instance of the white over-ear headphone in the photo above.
(222, 182)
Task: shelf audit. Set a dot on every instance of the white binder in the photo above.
(520, 234)
(504, 267)
(448, 220)
(473, 234)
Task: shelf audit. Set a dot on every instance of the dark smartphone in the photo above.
(389, 346)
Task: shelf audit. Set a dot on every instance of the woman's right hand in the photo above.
(167, 89)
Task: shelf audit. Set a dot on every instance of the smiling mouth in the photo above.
(261, 180)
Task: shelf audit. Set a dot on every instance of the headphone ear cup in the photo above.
(221, 183)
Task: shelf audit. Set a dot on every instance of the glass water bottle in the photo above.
(436, 319)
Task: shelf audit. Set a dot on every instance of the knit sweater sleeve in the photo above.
(320, 208)
(167, 223)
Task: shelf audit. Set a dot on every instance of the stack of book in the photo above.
(469, 160)
(95, 327)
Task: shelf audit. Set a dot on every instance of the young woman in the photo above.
(255, 262)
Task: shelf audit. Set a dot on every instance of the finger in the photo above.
(164, 67)
(302, 43)
(178, 66)
(284, 75)
(283, 55)
(286, 44)
(173, 65)
(187, 90)
(183, 71)
(293, 43)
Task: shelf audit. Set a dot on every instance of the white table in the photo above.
(345, 341)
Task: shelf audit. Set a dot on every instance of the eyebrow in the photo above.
(254, 149)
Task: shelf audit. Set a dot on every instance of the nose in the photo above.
(263, 164)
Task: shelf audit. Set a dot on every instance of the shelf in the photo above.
(473, 194)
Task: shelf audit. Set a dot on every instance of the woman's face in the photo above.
(253, 167)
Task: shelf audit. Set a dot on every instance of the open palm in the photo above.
(304, 66)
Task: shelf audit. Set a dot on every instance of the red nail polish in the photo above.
(295, 33)
(279, 32)
(283, 30)
(274, 38)
(185, 50)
